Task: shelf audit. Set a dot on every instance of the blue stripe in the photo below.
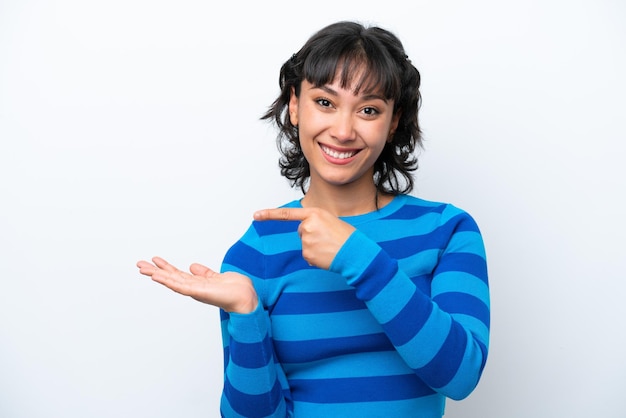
(263, 265)
(246, 257)
(280, 243)
(285, 263)
(480, 331)
(311, 303)
(313, 350)
(431, 406)
(465, 223)
(226, 356)
(461, 282)
(462, 303)
(250, 381)
(390, 230)
(359, 389)
(409, 320)
(423, 283)
(382, 269)
(324, 325)
(224, 315)
(421, 263)
(362, 364)
(265, 228)
(226, 411)
(413, 244)
(414, 211)
(312, 280)
(443, 367)
(253, 406)
(438, 239)
(465, 262)
(251, 355)
(425, 345)
(390, 301)
(484, 351)
(466, 242)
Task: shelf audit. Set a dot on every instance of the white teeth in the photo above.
(337, 154)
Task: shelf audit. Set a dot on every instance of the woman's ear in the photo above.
(394, 125)
(293, 107)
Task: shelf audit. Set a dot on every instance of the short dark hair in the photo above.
(349, 46)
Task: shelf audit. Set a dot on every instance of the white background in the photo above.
(131, 128)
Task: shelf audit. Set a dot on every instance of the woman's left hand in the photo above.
(322, 233)
(230, 291)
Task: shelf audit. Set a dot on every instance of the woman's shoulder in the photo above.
(410, 206)
(262, 236)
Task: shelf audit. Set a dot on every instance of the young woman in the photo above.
(358, 300)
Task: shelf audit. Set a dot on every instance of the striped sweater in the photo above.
(398, 323)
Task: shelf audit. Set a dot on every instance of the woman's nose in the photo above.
(343, 127)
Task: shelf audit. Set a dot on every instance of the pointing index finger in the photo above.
(281, 214)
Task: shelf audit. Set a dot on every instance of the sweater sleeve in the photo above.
(443, 336)
(254, 382)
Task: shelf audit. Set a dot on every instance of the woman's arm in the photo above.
(254, 382)
(443, 336)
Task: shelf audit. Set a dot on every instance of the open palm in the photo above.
(230, 291)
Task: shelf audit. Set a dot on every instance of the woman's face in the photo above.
(341, 133)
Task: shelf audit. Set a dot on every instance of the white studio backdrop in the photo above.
(131, 128)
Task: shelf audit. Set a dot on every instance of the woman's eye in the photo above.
(370, 111)
(324, 102)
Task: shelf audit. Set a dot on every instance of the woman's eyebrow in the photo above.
(374, 96)
(326, 88)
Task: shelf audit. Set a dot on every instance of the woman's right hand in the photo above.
(231, 291)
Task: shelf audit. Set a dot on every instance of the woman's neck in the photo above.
(347, 200)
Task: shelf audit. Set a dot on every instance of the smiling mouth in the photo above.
(341, 155)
